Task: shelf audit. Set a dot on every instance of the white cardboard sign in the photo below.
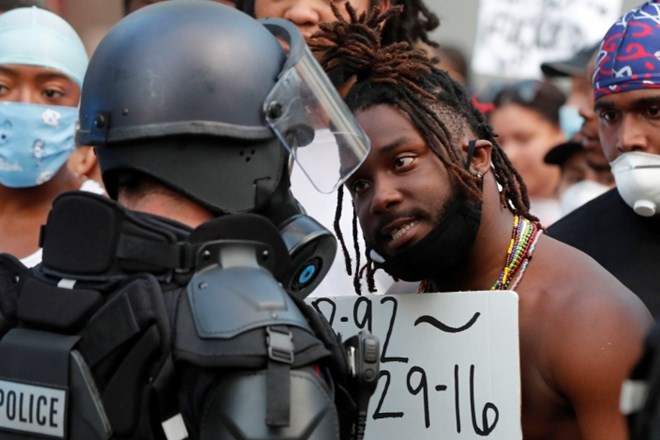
(449, 362)
(514, 36)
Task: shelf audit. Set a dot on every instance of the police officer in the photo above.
(176, 312)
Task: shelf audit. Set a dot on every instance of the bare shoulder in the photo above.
(573, 286)
(582, 331)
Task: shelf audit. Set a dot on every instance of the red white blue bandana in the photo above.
(629, 55)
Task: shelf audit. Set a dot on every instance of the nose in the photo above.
(22, 93)
(303, 13)
(26, 95)
(630, 135)
(385, 196)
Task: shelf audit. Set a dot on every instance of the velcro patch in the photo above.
(33, 409)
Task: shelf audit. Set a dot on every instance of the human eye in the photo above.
(653, 111)
(403, 162)
(523, 139)
(608, 115)
(52, 93)
(357, 186)
(5, 85)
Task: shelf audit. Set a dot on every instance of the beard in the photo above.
(447, 245)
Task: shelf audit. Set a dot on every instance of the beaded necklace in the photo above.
(524, 236)
(521, 247)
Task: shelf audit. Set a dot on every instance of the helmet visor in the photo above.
(315, 125)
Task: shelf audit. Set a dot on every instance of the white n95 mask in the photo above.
(637, 177)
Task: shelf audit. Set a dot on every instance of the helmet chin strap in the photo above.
(278, 204)
(376, 257)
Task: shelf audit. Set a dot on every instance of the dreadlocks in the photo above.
(401, 76)
(412, 25)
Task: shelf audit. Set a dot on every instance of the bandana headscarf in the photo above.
(36, 37)
(629, 55)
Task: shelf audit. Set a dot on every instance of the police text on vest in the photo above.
(29, 408)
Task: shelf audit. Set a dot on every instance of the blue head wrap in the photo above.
(36, 37)
(629, 55)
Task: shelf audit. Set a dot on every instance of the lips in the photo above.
(591, 143)
(402, 230)
(398, 233)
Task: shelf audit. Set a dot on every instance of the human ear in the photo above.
(479, 162)
(83, 162)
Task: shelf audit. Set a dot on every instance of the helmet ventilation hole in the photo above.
(247, 154)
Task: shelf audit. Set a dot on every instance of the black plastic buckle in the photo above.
(280, 344)
(186, 260)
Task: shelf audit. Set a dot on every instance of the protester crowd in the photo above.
(561, 185)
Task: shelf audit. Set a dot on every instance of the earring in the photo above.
(479, 175)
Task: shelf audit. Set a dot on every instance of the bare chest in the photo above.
(545, 413)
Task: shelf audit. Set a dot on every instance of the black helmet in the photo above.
(176, 91)
(202, 97)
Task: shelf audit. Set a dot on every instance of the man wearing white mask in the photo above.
(42, 65)
(621, 228)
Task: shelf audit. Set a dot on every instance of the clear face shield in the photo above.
(310, 119)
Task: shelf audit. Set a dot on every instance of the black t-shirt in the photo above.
(624, 243)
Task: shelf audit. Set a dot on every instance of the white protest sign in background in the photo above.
(515, 36)
(449, 362)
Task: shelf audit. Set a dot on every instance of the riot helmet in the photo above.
(203, 98)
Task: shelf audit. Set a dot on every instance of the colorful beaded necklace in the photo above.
(521, 247)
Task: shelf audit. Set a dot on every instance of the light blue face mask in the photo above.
(35, 142)
(570, 120)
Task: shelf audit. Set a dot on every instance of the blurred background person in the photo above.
(589, 134)
(525, 117)
(578, 182)
(584, 171)
(575, 70)
(577, 117)
(451, 59)
(42, 65)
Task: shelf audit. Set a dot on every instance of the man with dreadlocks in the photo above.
(412, 23)
(438, 201)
